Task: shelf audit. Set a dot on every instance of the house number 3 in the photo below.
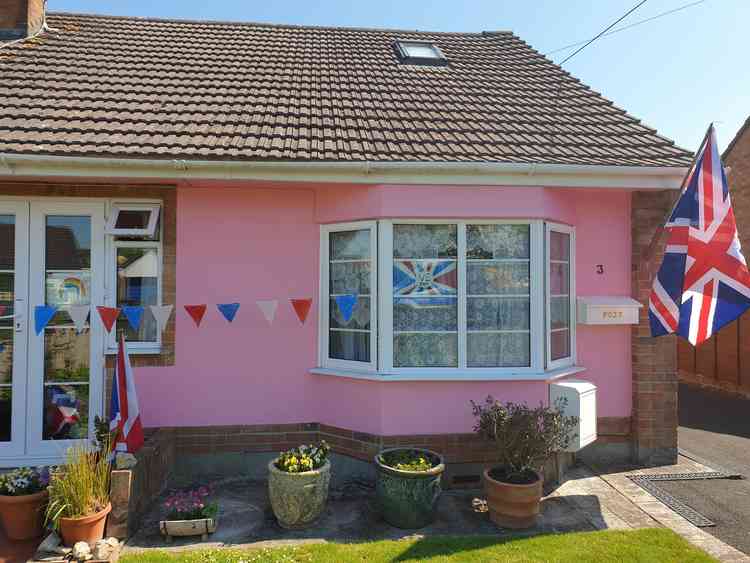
(600, 268)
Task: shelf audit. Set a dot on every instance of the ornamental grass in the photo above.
(81, 486)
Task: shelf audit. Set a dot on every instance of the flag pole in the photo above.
(661, 229)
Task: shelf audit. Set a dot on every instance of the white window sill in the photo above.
(136, 351)
(467, 375)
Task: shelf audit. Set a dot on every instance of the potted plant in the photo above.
(298, 485)
(79, 495)
(189, 513)
(525, 439)
(23, 495)
(408, 486)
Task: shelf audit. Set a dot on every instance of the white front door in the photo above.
(56, 374)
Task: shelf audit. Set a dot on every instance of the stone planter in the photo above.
(408, 499)
(201, 527)
(298, 499)
(23, 516)
(89, 528)
(513, 506)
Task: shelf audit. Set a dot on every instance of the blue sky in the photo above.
(676, 73)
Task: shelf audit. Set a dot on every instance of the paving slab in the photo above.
(618, 479)
(246, 519)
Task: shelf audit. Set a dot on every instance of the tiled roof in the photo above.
(143, 88)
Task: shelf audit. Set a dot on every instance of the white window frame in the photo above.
(111, 278)
(536, 296)
(114, 213)
(571, 232)
(324, 359)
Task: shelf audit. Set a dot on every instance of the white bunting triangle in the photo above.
(268, 308)
(79, 314)
(161, 313)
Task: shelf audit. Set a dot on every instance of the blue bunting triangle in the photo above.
(229, 310)
(134, 314)
(346, 304)
(42, 315)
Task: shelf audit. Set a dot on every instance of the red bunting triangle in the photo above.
(196, 312)
(302, 308)
(108, 315)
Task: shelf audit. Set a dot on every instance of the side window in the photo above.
(349, 280)
(136, 271)
(560, 295)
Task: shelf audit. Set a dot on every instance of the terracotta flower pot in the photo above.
(86, 528)
(510, 505)
(408, 499)
(23, 516)
(297, 499)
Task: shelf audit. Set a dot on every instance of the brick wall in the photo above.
(654, 422)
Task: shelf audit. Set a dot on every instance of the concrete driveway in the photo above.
(715, 428)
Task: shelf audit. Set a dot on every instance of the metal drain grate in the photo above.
(648, 483)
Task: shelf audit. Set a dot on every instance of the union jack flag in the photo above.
(125, 416)
(703, 282)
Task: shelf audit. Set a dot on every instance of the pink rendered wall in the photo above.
(246, 242)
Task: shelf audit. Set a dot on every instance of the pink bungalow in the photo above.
(466, 218)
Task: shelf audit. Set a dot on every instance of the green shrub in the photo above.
(525, 437)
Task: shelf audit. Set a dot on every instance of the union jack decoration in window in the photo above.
(425, 282)
(703, 283)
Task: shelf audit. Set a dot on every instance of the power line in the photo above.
(605, 30)
(634, 24)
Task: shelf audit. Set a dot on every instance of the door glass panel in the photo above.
(66, 352)
(7, 296)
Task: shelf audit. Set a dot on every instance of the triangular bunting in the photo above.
(196, 312)
(229, 310)
(268, 308)
(161, 314)
(346, 304)
(42, 315)
(134, 314)
(79, 314)
(108, 315)
(302, 308)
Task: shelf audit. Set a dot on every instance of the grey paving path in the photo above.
(715, 428)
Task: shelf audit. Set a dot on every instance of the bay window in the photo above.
(445, 298)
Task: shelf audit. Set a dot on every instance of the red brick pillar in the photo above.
(654, 422)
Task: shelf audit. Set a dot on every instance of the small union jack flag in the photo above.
(703, 282)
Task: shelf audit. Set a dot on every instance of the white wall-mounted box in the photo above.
(604, 310)
(581, 402)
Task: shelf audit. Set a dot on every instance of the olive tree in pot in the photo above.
(525, 438)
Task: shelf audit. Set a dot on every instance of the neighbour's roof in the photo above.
(740, 133)
(108, 86)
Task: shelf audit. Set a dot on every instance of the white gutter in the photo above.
(445, 173)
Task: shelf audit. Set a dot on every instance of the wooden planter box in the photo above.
(201, 527)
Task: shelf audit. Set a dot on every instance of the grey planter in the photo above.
(408, 499)
(298, 499)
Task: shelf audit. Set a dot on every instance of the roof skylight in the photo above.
(420, 53)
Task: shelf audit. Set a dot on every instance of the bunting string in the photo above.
(134, 314)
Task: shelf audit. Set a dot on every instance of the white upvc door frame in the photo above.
(20, 326)
(36, 447)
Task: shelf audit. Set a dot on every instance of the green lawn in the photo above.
(657, 545)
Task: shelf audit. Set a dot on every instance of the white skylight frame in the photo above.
(436, 59)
